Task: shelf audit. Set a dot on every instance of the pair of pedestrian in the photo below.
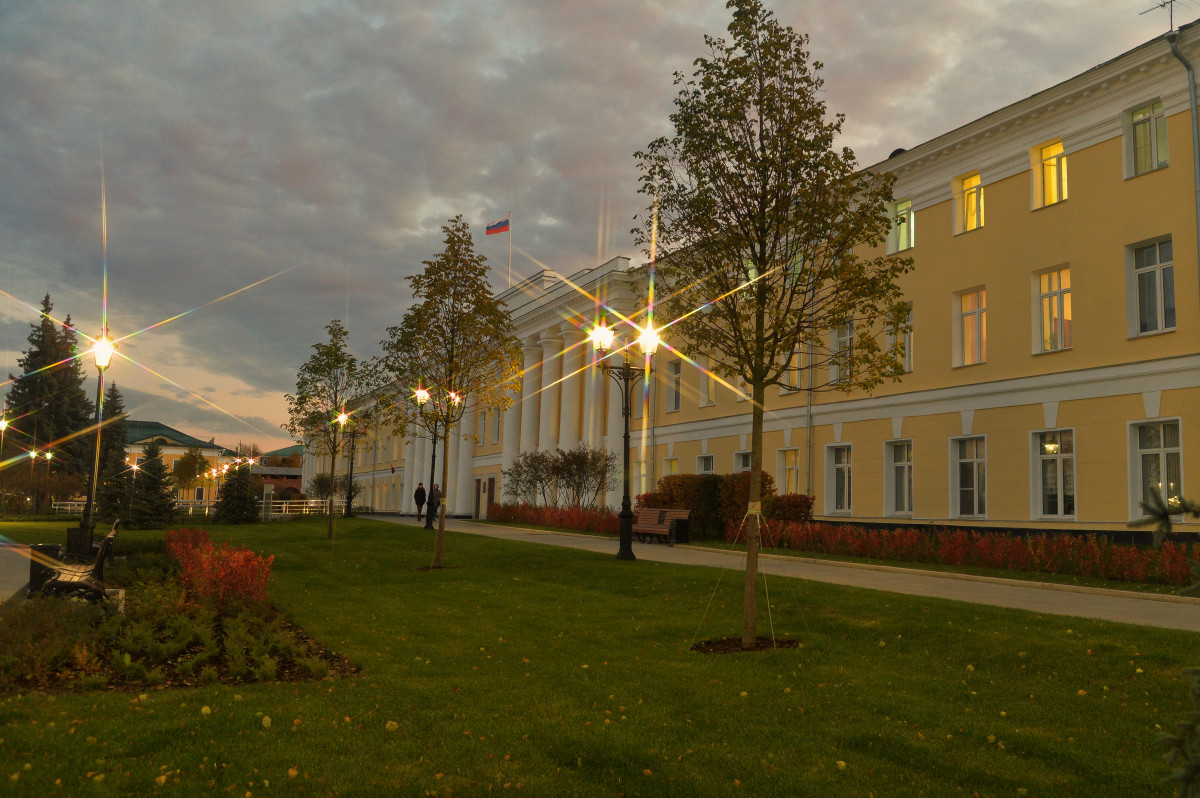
(434, 500)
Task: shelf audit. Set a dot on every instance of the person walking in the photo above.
(435, 502)
(419, 498)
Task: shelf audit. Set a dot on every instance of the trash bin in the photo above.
(39, 572)
(680, 526)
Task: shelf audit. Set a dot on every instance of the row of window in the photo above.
(1157, 466)
(1146, 151)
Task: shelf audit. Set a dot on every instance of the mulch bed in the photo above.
(733, 645)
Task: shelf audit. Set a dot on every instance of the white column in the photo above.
(552, 363)
(420, 464)
(531, 382)
(453, 452)
(571, 411)
(511, 434)
(464, 465)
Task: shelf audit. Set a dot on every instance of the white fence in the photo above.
(279, 509)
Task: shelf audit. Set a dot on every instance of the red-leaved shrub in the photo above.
(587, 519)
(222, 574)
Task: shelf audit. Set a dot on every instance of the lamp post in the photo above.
(102, 350)
(422, 397)
(626, 377)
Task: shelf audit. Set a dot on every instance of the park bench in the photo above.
(81, 581)
(670, 526)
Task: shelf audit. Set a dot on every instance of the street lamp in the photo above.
(422, 397)
(626, 377)
(102, 350)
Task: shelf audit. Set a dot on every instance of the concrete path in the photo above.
(1167, 611)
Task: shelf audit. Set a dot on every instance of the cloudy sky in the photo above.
(319, 145)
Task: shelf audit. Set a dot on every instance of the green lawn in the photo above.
(560, 672)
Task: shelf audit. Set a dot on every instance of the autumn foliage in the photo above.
(1073, 555)
(220, 574)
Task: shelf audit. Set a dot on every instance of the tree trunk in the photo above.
(750, 605)
(441, 527)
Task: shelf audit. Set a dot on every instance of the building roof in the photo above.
(142, 432)
(286, 451)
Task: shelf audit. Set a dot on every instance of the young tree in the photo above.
(189, 469)
(757, 218)
(153, 501)
(455, 342)
(583, 472)
(48, 406)
(333, 389)
(116, 477)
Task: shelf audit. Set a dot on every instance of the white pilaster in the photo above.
(464, 466)
(574, 371)
(531, 382)
(551, 392)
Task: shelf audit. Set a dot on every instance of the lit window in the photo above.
(670, 465)
(1054, 174)
(674, 385)
(1159, 466)
(1054, 298)
(970, 476)
(1149, 139)
(791, 470)
(838, 479)
(1154, 288)
(1056, 464)
(972, 328)
(970, 203)
(899, 482)
(902, 234)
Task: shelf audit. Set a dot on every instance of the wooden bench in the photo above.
(81, 581)
(650, 524)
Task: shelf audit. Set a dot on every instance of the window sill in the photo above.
(1151, 333)
(1050, 205)
(1155, 170)
(970, 365)
(1052, 518)
(966, 232)
(1052, 351)
(899, 515)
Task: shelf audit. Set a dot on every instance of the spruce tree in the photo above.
(153, 503)
(115, 481)
(48, 402)
(237, 504)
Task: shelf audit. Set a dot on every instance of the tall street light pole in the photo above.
(102, 350)
(422, 397)
(626, 377)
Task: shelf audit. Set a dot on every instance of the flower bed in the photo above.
(1073, 555)
(586, 519)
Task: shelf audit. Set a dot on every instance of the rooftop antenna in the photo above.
(1167, 4)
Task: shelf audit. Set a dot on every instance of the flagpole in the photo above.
(510, 249)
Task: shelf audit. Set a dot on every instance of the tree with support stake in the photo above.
(758, 220)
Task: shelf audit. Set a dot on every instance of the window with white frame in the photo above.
(791, 470)
(971, 341)
(705, 464)
(200, 494)
(1159, 465)
(970, 477)
(495, 427)
(898, 488)
(674, 385)
(841, 347)
(708, 396)
(902, 234)
(670, 465)
(1054, 305)
(481, 425)
(741, 462)
(1153, 288)
(1054, 174)
(838, 479)
(1055, 453)
(742, 388)
(1148, 138)
(640, 476)
(968, 195)
(906, 357)
(790, 381)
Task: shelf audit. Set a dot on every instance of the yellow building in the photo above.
(1055, 348)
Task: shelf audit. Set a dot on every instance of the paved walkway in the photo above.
(1167, 611)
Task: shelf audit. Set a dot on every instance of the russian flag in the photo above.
(498, 226)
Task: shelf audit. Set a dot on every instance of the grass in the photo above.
(561, 672)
